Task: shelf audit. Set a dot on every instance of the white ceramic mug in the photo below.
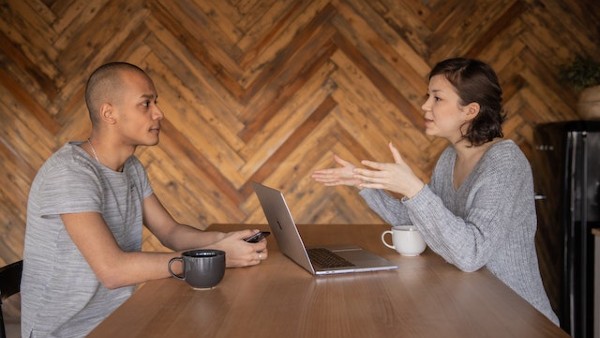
(406, 239)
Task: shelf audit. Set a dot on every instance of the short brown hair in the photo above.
(476, 81)
(103, 82)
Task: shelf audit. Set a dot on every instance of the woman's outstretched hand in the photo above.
(396, 177)
(343, 175)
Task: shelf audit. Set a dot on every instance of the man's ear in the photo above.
(107, 113)
(471, 110)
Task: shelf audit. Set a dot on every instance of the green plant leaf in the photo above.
(581, 73)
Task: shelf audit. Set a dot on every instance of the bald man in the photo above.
(87, 206)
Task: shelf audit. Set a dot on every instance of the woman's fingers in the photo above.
(396, 154)
(341, 161)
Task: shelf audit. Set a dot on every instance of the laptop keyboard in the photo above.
(326, 258)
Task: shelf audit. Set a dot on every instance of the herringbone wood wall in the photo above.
(268, 90)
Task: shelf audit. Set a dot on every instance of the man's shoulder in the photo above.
(66, 153)
(69, 160)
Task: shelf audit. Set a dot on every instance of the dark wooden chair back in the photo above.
(10, 284)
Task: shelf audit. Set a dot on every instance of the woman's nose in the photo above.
(426, 105)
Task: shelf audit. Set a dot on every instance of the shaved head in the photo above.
(105, 86)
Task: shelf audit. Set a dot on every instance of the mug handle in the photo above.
(171, 261)
(383, 239)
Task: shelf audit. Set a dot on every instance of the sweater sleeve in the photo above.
(386, 206)
(469, 235)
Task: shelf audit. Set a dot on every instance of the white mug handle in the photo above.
(383, 239)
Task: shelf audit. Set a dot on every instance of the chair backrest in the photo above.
(10, 284)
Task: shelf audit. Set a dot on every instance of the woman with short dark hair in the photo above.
(478, 209)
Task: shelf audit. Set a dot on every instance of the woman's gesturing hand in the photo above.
(343, 175)
(397, 177)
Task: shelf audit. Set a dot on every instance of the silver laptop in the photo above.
(318, 261)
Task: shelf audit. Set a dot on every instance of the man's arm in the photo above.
(116, 268)
(172, 234)
(181, 237)
(113, 267)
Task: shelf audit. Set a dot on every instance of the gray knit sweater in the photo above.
(489, 221)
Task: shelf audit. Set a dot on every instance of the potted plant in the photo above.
(583, 74)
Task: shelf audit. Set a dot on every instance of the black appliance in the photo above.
(566, 171)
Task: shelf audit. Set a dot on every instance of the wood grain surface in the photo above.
(424, 297)
(268, 90)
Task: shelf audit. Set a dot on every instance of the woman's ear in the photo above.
(471, 110)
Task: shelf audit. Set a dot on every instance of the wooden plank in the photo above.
(400, 73)
(292, 141)
(375, 76)
(280, 62)
(284, 122)
(261, 31)
(203, 86)
(409, 48)
(73, 16)
(277, 41)
(288, 78)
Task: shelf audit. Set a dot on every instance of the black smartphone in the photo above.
(257, 237)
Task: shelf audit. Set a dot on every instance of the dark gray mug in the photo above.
(202, 269)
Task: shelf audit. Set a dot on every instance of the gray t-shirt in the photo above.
(60, 294)
(489, 221)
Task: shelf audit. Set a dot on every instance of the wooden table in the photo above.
(425, 297)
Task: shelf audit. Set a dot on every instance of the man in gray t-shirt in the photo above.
(87, 206)
(73, 182)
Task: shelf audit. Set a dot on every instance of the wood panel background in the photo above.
(268, 90)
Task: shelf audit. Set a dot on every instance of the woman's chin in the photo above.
(430, 131)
